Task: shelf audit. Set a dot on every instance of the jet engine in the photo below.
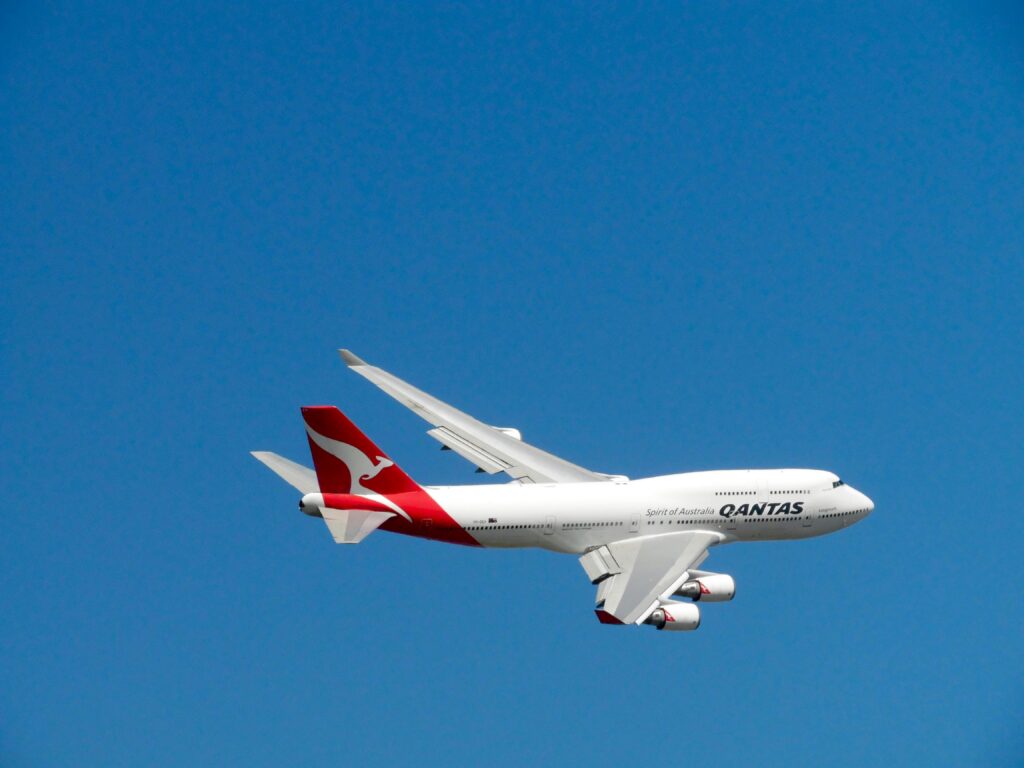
(677, 617)
(711, 588)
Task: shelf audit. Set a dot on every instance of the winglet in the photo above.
(350, 359)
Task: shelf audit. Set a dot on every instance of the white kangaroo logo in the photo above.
(360, 467)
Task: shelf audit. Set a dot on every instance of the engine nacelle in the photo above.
(676, 617)
(710, 588)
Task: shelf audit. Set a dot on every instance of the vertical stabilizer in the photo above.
(346, 460)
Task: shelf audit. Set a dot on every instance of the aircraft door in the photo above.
(758, 527)
(634, 523)
(762, 487)
(549, 525)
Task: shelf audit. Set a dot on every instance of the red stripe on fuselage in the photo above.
(429, 520)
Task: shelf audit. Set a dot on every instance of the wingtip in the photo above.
(351, 359)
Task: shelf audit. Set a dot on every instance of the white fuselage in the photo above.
(740, 505)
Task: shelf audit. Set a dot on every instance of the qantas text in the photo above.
(769, 508)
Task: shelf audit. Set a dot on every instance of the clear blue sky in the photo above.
(655, 238)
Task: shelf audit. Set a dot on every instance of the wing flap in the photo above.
(487, 462)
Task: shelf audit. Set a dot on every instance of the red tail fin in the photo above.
(346, 460)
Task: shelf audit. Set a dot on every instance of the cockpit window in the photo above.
(837, 483)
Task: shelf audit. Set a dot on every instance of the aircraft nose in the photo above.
(866, 504)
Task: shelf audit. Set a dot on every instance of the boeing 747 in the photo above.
(641, 542)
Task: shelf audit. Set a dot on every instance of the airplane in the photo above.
(640, 542)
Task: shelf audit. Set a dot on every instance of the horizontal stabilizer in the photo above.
(350, 526)
(297, 476)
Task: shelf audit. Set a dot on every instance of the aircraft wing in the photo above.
(633, 575)
(492, 449)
